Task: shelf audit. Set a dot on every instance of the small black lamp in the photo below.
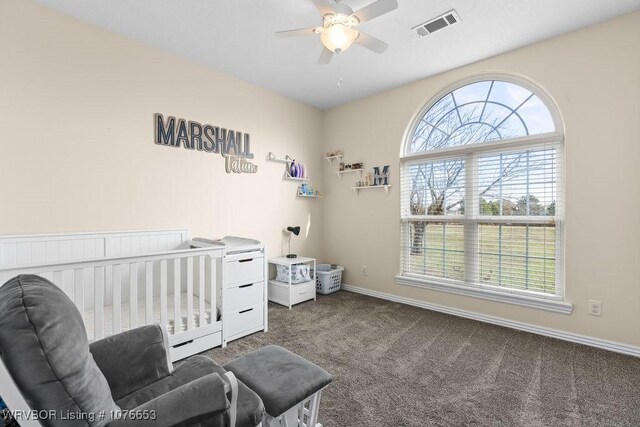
(296, 231)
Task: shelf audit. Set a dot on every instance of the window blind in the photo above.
(484, 214)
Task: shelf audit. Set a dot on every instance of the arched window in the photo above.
(481, 192)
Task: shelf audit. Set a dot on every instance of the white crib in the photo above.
(121, 280)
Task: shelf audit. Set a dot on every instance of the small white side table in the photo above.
(287, 293)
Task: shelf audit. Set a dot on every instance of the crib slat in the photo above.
(148, 297)
(202, 295)
(177, 312)
(117, 297)
(212, 284)
(98, 299)
(163, 293)
(190, 318)
(133, 295)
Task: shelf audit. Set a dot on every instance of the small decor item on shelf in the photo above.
(293, 169)
(341, 166)
(302, 169)
(336, 153)
(356, 165)
(385, 175)
(376, 176)
(368, 179)
(306, 190)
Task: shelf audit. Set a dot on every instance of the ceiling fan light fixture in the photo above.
(338, 32)
(338, 37)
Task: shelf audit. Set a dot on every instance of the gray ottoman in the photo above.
(288, 385)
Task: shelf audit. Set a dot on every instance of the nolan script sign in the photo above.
(233, 145)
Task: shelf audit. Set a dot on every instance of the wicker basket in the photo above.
(328, 279)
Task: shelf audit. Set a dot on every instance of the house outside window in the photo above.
(481, 194)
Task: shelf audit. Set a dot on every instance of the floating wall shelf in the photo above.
(360, 170)
(312, 196)
(340, 173)
(357, 189)
(287, 160)
(288, 176)
(273, 158)
(331, 158)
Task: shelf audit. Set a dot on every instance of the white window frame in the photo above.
(555, 303)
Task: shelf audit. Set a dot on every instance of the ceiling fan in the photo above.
(338, 31)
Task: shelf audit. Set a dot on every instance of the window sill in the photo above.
(488, 294)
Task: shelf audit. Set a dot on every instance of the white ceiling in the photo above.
(237, 37)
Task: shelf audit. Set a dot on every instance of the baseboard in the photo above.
(567, 336)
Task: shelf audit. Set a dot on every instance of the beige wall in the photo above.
(77, 150)
(594, 77)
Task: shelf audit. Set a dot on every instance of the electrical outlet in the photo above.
(364, 270)
(595, 308)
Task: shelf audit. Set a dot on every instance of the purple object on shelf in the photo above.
(294, 170)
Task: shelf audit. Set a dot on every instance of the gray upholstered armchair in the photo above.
(48, 367)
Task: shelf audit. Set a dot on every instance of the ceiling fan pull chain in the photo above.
(339, 84)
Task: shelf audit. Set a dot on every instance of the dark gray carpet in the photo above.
(397, 365)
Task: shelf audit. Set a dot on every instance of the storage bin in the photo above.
(328, 279)
(299, 273)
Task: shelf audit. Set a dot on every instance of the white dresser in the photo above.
(244, 293)
(244, 289)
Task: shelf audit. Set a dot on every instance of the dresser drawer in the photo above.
(244, 270)
(242, 320)
(244, 295)
(303, 292)
(278, 292)
(195, 346)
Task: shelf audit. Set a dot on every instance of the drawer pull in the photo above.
(246, 286)
(181, 344)
(246, 260)
(245, 311)
(302, 292)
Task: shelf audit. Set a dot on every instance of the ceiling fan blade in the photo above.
(323, 6)
(375, 9)
(295, 33)
(325, 56)
(371, 43)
